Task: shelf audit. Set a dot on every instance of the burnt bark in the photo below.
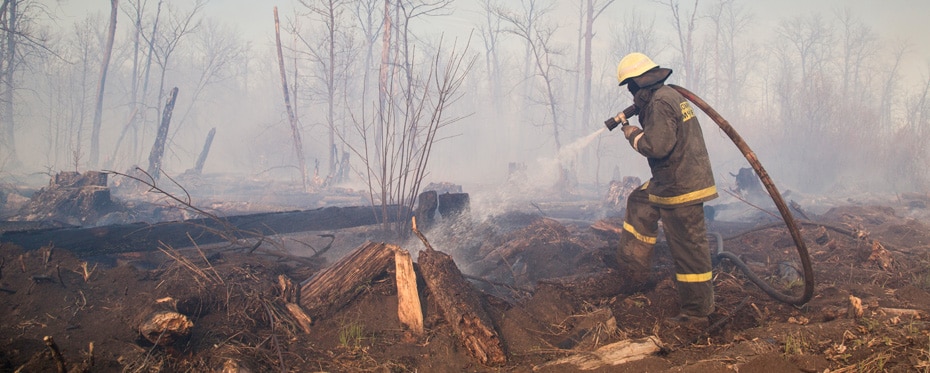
(462, 306)
(198, 168)
(112, 239)
(104, 65)
(332, 288)
(291, 117)
(158, 149)
(426, 209)
(453, 205)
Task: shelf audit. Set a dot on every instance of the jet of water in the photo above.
(571, 150)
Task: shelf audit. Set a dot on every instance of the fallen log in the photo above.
(461, 305)
(613, 354)
(332, 288)
(119, 238)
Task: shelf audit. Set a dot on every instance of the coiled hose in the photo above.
(807, 268)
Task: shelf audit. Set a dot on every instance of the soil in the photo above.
(874, 253)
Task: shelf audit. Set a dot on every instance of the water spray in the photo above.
(808, 270)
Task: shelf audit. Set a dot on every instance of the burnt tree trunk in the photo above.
(332, 288)
(462, 306)
(104, 65)
(291, 117)
(158, 149)
(198, 167)
(426, 209)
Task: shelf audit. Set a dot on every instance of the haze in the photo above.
(832, 95)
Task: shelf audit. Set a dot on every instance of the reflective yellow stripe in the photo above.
(639, 236)
(696, 277)
(687, 197)
(646, 185)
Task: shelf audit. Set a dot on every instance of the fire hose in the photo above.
(807, 268)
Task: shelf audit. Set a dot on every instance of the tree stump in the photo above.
(453, 205)
(332, 288)
(426, 208)
(462, 306)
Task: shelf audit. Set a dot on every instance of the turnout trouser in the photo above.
(686, 235)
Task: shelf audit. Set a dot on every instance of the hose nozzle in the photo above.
(621, 118)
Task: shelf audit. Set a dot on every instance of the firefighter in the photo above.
(682, 180)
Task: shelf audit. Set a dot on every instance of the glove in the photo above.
(629, 131)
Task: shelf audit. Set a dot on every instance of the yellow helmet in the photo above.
(633, 65)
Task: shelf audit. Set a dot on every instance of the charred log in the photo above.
(112, 239)
(462, 306)
(332, 288)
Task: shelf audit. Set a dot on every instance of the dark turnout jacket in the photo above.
(672, 141)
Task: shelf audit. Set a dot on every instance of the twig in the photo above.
(204, 257)
(332, 238)
(47, 255)
(87, 273)
(739, 307)
(274, 337)
(56, 354)
(256, 245)
(416, 231)
(797, 208)
(58, 270)
(183, 261)
(537, 207)
(2, 262)
(38, 279)
(750, 203)
(22, 263)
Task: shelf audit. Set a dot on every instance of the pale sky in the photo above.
(893, 20)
